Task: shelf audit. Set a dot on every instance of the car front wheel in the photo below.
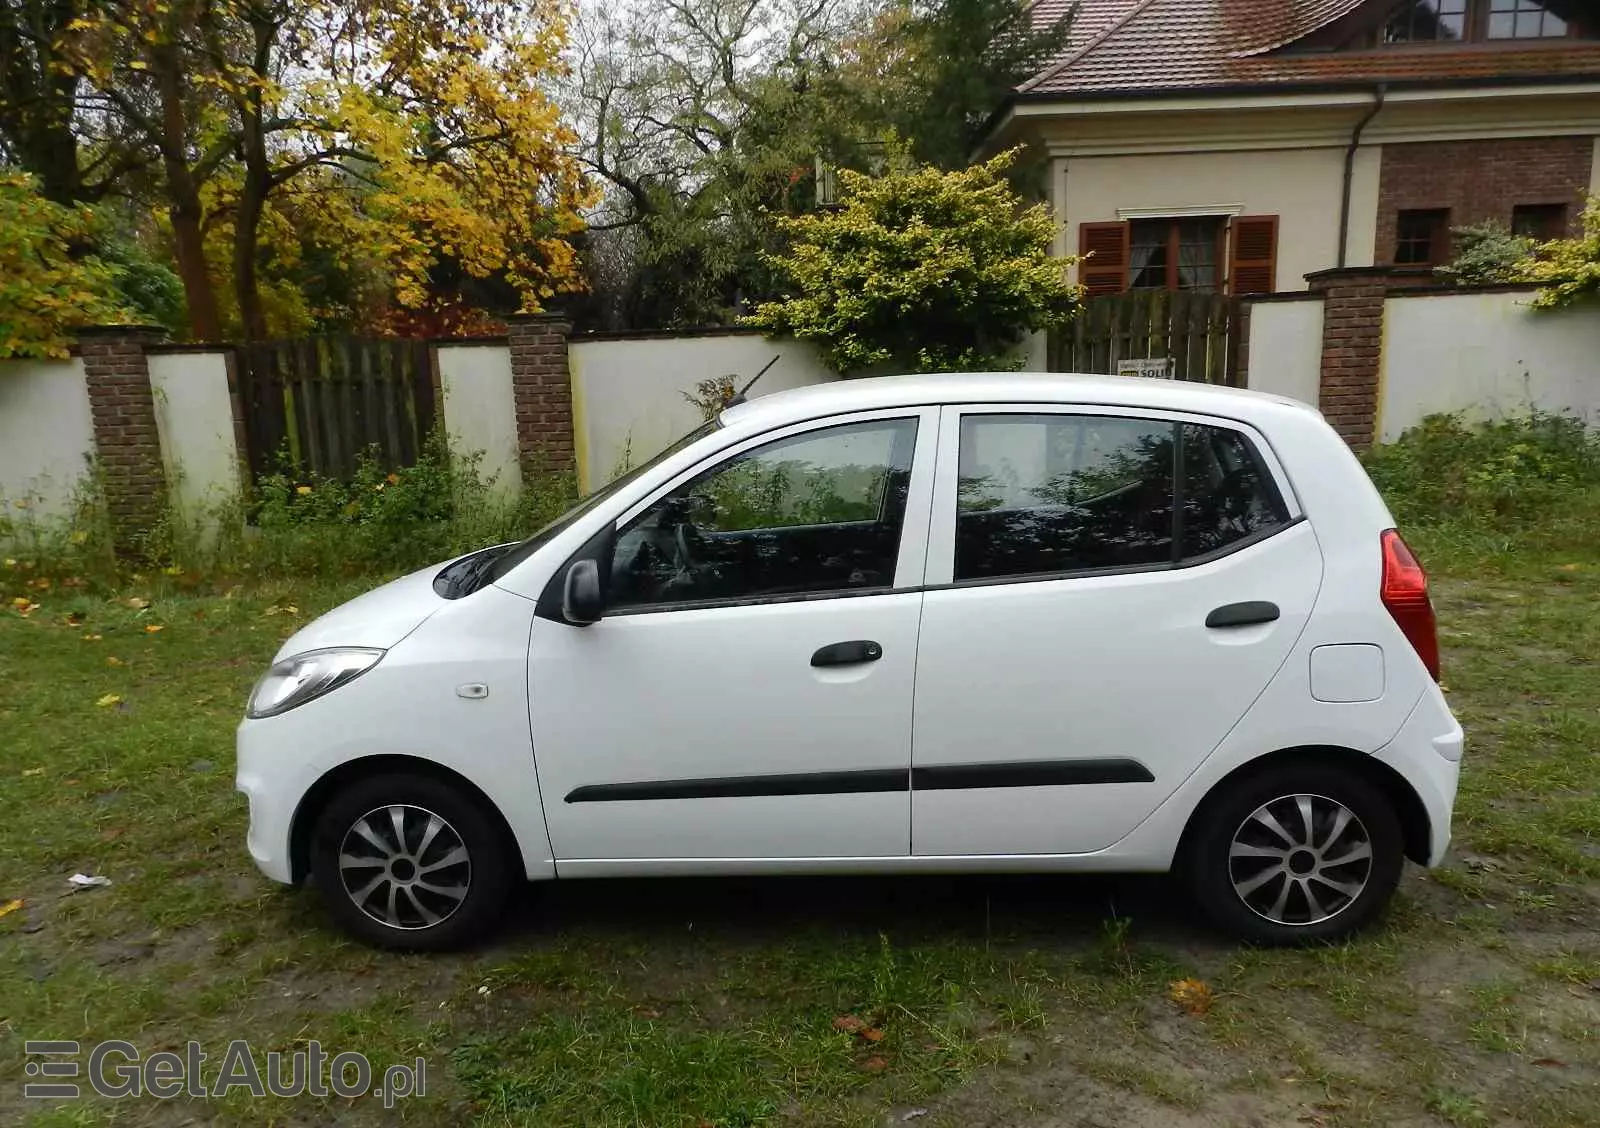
(410, 862)
(1296, 854)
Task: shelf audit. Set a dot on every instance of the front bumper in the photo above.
(272, 781)
(1427, 752)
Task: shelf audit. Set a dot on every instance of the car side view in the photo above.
(954, 623)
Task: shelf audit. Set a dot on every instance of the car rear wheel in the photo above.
(1296, 854)
(410, 862)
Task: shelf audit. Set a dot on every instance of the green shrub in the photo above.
(1507, 471)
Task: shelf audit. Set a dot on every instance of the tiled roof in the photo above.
(1134, 46)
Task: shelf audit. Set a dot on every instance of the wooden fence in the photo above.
(1198, 332)
(325, 401)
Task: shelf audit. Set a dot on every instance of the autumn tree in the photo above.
(47, 286)
(921, 270)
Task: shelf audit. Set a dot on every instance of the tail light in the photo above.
(1405, 594)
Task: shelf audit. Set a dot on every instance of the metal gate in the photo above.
(322, 402)
(1197, 334)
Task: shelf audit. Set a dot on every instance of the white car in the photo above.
(920, 624)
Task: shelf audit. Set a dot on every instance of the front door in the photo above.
(748, 692)
(1108, 594)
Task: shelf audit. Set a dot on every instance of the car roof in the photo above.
(841, 396)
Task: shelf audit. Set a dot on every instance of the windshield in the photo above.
(527, 548)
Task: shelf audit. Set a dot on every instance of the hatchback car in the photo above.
(917, 624)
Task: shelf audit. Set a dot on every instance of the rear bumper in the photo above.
(1427, 752)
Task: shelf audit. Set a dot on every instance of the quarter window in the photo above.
(1228, 494)
(1041, 494)
(818, 512)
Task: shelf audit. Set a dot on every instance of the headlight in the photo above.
(294, 681)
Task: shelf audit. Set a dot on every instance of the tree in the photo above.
(47, 288)
(921, 270)
(1568, 269)
(1486, 254)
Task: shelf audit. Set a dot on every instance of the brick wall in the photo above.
(1480, 180)
(127, 444)
(541, 392)
(1352, 349)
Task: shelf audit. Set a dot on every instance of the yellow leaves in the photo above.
(302, 490)
(114, 661)
(10, 906)
(282, 609)
(92, 637)
(153, 628)
(1193, 995)
(28, 773)
(108, 700)
(137, 603)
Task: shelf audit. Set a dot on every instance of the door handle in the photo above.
(1243, 614)
(847, 653)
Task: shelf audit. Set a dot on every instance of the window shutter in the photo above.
(1106, 272)
(1254, 268)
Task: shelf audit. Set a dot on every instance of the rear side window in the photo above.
(1052, 494)
(1062, 493)
(1228, 495)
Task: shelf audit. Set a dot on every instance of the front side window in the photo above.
(1041, 494)
(818, 512)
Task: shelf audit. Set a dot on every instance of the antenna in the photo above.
(739, 397)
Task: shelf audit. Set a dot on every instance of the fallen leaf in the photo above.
(875, 1064)
(1568, 568)
(111, 833)
(92, 637)
(20, 601)
(872, 1034)
(153, 628)
(10, 906)
(32, 772)
(1192, 995)
(849, 1023)
(136, 603)
(109, 699)
(1546, 1062)
(113, 661)
(28, 610)
(647, 1012)
(74, 618)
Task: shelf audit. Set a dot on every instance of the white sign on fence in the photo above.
(1155, 367)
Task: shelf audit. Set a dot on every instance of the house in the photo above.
(1236, 146)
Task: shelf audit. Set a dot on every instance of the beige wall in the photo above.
(628, 394)
(1486, 355)
(194, 417)
(1301, 186)
(479, 410)
(1286, 349)
(46, 436)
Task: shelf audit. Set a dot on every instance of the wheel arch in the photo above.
(1415, 825)
(332, 781)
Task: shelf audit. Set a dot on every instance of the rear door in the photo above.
(1108, 592)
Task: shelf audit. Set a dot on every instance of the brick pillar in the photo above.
(1352, 348)
(541, 390)
(123, 410)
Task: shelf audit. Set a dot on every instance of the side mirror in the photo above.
(581, 601)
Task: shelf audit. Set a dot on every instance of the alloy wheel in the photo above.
(1300, 859)
(405, 866)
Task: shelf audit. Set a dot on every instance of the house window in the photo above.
(1458, 21)
(1175, 254)
(1524, 19)
(1421, 21)
(1539, 221)
(1422, 238)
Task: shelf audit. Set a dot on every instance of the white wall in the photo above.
(194, 417)
(1485, 354)
(480, 410)
(1286, 349)
(628, 393)
(1303, 187)
(46, 436)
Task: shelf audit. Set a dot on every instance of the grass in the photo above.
(988, 1000)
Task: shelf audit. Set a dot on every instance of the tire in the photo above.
(1253, 878)
(443, 890)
